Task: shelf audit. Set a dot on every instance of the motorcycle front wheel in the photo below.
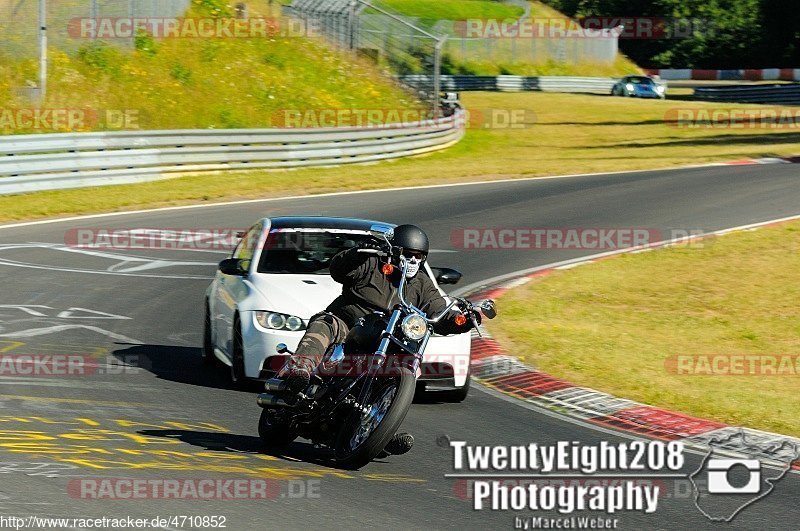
(274, 435)
(365, 434)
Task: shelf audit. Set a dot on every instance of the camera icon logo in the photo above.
(725, 486)
(719, 471)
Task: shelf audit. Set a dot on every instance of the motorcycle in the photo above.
(356, 402)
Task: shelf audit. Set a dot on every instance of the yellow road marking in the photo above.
(78, 444)
(10, 345)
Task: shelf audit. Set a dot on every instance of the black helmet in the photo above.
(410, 237)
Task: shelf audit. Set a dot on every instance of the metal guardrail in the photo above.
(779, 94)
(595, 85)
(71, 160)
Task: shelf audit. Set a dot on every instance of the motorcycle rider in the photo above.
(366, 288)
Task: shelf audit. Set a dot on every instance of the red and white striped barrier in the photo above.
(757, 74)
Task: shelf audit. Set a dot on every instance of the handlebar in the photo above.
(373, 251)
(464, 306)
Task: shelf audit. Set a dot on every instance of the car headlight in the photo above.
(279, 321)
(629, 86)
(414, 327)
(660, 89)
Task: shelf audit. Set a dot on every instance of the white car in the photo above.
(277, 278)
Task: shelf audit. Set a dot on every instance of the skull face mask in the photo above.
(414, 264)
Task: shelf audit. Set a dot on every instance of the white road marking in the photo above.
(34, 332)
(146, 263)
(93, 314)
(27, 308)
(356, 192)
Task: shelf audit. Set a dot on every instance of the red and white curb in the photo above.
(749, 74)
(765, 160)
(495, 368)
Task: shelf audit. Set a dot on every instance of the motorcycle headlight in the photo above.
(279, 321)
(414, 327)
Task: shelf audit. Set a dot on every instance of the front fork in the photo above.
(379, 358)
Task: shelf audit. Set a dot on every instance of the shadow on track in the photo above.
(248, 444)
(184, 365)
(181, 365)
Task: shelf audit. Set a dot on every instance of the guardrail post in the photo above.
(437, 75)
(42, 51)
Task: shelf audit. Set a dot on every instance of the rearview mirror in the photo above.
(232, 266)
(488, 308)
(445, 275)
(380, 231)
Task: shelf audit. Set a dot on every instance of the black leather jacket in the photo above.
(366, 289)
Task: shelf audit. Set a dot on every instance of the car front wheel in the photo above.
(207, 352)
(238, 377)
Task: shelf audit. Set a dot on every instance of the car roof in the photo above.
(324, 222)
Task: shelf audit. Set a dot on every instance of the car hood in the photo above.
(300, 295)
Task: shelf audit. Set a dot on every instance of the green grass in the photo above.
(200, 83)
(566, 133)
(613, 325)
(505, 62)
(452, 9)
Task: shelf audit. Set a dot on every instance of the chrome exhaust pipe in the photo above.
(266, 400)
(274, 385)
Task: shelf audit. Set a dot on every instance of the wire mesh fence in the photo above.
(526, 40)
(407, 47)
(390, 40)
(29, 28)
(71, 22)
(565, 50)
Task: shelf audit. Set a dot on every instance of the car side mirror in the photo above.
(233, 267)
(445, 275)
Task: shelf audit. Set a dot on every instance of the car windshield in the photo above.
(303, 252)
(640, 80)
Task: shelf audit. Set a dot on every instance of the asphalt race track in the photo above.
(163, 415)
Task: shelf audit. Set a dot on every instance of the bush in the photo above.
(181, 73)
(101, 56)
(145, 43)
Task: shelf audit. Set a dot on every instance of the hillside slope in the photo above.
(185, 82)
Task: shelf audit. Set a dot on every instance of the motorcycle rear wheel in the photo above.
(363, 436)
